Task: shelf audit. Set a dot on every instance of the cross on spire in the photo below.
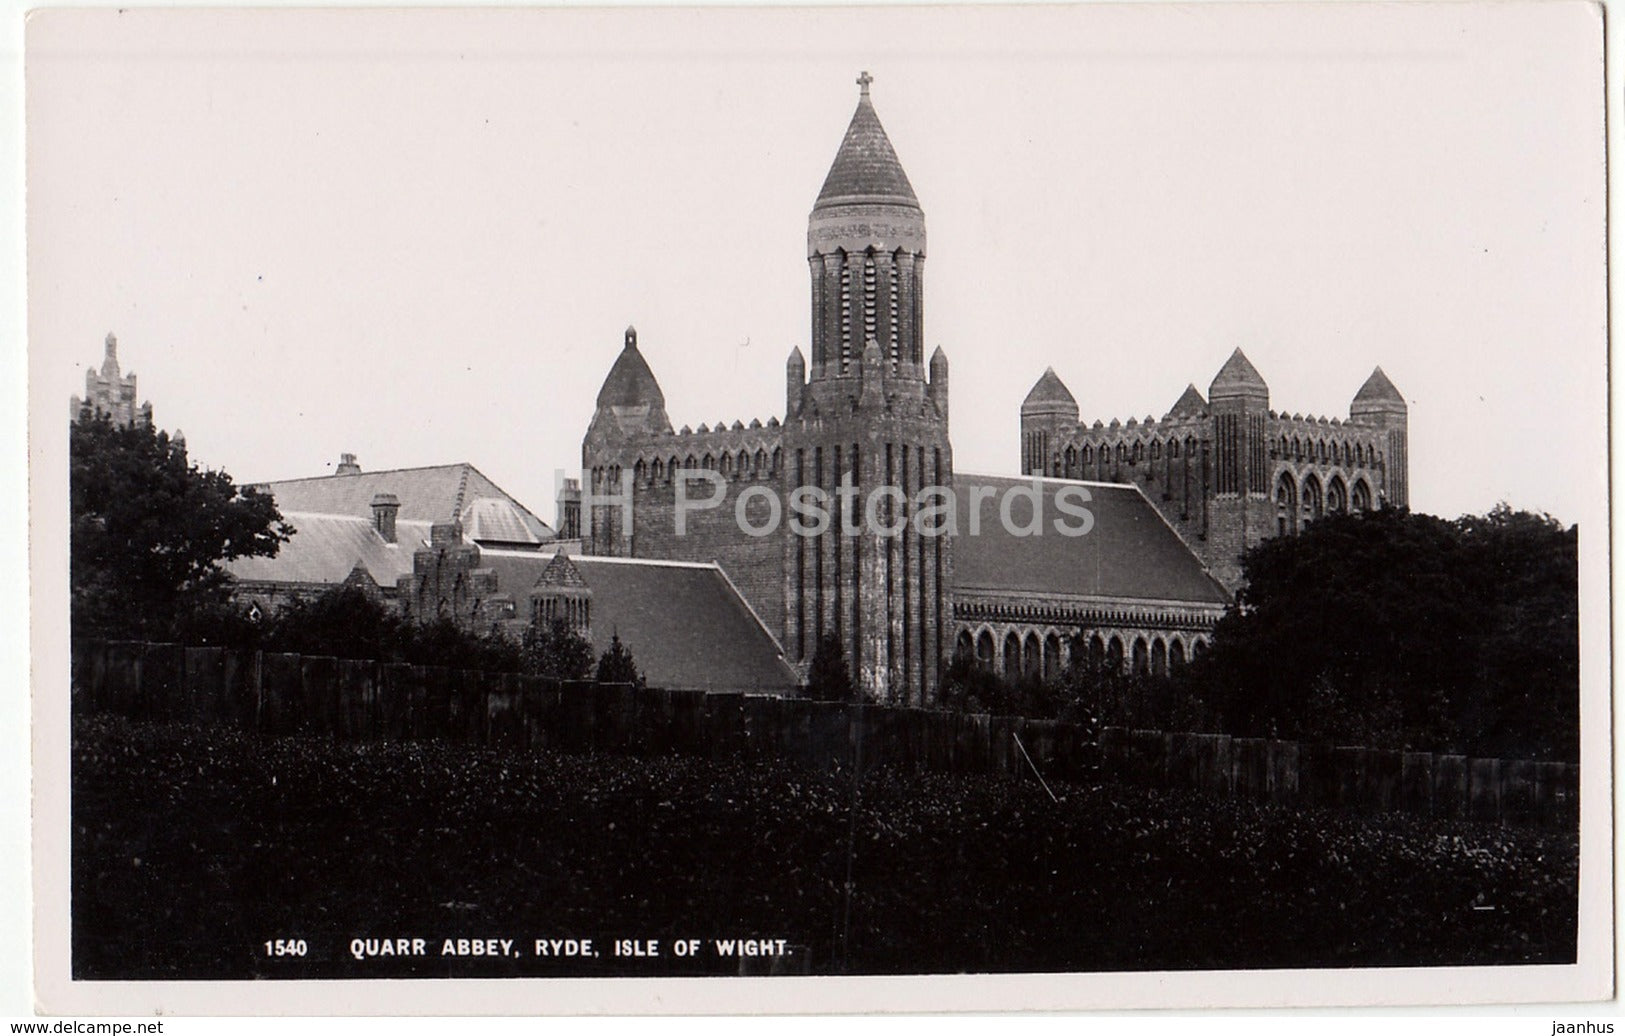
(864, 79)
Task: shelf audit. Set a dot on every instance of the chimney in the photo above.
(385, 506)
(569, 516)
(446, 534)
(347, 465)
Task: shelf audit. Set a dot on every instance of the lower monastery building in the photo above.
(737, 595)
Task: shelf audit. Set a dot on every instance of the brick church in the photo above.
(1173, 501)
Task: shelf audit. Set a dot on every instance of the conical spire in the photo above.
(1377, 395)
(630, 381)
(866, 167)
(1049, 395)
(1238, 377)
(1189, 403)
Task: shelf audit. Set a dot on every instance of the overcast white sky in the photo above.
(417, 236)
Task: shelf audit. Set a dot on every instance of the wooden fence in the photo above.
(283, 694)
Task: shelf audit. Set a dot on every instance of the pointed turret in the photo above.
(1238, 377)
(1377, 396)
(866, 255)
(630, 394)
(866, 168)
(1050, 398)
(1189, 404)
(110, 357)
(795, 379)
(1379, 406)
(938, 389)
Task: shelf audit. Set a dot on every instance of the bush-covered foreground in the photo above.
(192, 848)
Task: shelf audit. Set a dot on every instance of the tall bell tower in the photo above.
(869, 412)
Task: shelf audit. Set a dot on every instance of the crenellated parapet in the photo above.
(1226, 470)
(736, 451)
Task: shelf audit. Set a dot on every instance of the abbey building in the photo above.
(732, 594)
(1173, 502)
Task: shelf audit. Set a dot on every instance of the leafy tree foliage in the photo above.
(1381, 628)
(149, 530)
(617, 665)
(1408, 631)
(828, 676)
(558, 652)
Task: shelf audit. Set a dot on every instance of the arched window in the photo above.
(1312, 502)
(1114, 654)
(1348, 455)
(1012, 656)
(1071, 461)
(1361, 495)
(659, 470)
(964, 646)
(984, 649)
(1141, 656)
(1159, 658)
(1173, 449)
(1088, 454)
(1032, 657)
(1297, 449)
(1176, 654)
(1286, 505)
(1052, 657)
(1156, 450)
(1199, 649)
(727, 463)
(1337, 496)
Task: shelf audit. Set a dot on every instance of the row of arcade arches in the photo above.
(1297, 503)
(1044, 653)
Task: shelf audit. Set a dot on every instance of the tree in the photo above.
(617, 666)
(149, 529)
(557, 651)
(1406, 631)
(828, 678)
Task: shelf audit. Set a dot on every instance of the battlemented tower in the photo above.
(868, 411)
(111, 393)
(1227, 472)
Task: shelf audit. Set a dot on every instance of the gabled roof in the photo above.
(1238, 376)
(1189, 404)
(1378, 389)
(866, 167)
(1130, 554)
(441, 493)
(684, 623)
(1049, 393)
(327, 547)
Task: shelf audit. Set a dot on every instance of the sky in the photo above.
(418, 236)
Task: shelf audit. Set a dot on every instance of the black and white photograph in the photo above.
(702, 509)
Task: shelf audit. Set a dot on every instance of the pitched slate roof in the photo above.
(440, 493)
(685, 624)
(1130, 555)
(327, 546)
(866, 166)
